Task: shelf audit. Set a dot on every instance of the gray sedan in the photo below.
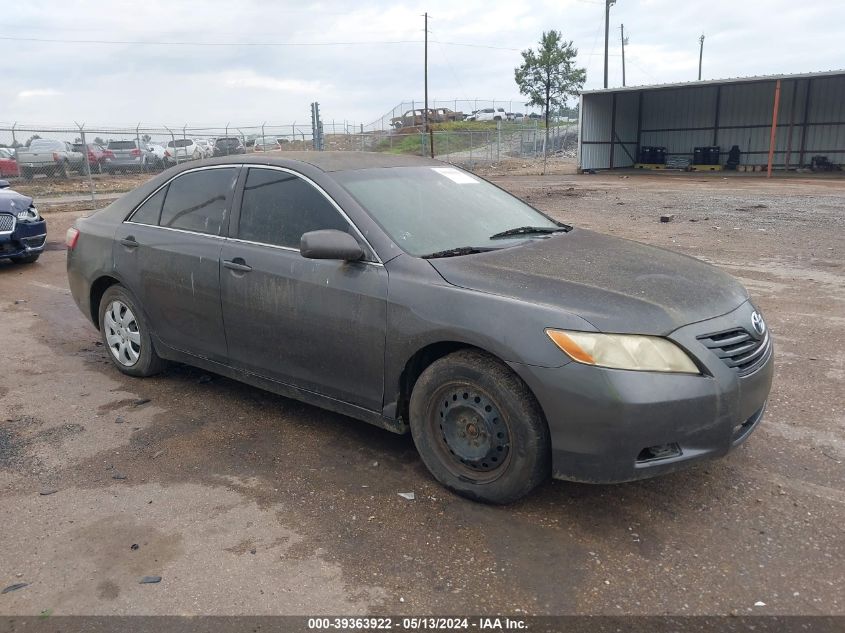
(421, 298)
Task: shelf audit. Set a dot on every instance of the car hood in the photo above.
(12, 201)
(617, 285)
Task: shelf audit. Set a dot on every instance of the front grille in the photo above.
(7, 223)
(738, 349)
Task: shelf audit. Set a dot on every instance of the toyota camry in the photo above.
(418, 297)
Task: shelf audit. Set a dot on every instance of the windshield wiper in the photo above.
(457, 252)
(527, 230)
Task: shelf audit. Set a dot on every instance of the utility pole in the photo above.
(624, 42)
(427, 127)
(607, 4)
(700, 54)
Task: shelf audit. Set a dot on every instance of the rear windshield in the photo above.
(78, 147)
(180, 142)
(231, 142)
(121, 144)
(43, 143)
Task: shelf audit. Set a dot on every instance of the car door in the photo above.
(168, 254)
(315, 324)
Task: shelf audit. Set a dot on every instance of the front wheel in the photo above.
(479, 429)
(126, 334)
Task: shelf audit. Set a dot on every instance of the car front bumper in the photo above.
(26, 238)
(610, 426)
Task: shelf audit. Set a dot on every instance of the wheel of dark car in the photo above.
(126, 335)
(26, 259)
(479, 429)
(62, 170)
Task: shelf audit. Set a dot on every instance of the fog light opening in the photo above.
(660, 451)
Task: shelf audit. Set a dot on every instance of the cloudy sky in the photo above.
(209, 62)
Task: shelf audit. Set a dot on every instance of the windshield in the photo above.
(431, 209)
(180, 142)
(121, 144)
(231, 142)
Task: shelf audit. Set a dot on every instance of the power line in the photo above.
(236, 44)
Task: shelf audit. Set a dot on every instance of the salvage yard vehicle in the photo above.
(97, 155)
(228, 145)
(132, 155)
(23, 232)
(421, 298)
(8, 163)
(46, 156)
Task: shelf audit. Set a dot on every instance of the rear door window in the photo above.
(150, 211)
(199, 201)
(278, 207)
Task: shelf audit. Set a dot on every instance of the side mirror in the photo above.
(330, 244)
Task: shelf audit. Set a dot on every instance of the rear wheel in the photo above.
(479, 429)
(26, 172)
(62, 169)
(126, 334)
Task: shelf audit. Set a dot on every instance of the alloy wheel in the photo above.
(122, 334)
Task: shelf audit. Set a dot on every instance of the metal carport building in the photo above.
(809, 111)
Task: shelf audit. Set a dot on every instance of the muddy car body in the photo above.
(423, 298)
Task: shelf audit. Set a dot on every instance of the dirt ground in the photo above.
(248, 503)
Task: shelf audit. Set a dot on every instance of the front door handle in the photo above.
(237, 264)
(129, 241)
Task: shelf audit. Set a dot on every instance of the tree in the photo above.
(146, 138)
(548, 77)
(32, 138)
(99, 141)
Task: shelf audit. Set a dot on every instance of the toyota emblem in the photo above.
(758, 323)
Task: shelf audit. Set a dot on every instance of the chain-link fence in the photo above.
(87, 160)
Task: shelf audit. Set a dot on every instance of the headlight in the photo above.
(623, 351)
(29, 215)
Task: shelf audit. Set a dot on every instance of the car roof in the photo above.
(332, 161)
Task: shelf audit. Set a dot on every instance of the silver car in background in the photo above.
(128, 156)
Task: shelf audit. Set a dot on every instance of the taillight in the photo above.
(71, 238)
(56, 157)
(136, 152)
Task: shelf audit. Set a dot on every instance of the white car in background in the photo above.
(159, 155)
(206, 147)
(182, 149)
(491, 114)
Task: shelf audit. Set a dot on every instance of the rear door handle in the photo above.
(129, 241)
(237, 264)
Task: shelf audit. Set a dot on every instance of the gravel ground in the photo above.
(248, 503)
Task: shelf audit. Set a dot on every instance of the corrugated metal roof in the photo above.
(713, 82)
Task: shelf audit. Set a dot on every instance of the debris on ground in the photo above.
(48, 491)
(759, 603)
(19, 301)
(205, 378)
(149, 580)
(134, 546)
(15, 587)
(140, 401)
(667, 217)
(119, 420)
(118, 475)
(407, 495)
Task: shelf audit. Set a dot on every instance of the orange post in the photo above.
(774, 130)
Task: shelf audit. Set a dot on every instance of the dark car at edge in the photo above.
(23, 232)
(421, 298)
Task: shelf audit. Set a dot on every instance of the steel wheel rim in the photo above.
(122, 334)
(471, 435)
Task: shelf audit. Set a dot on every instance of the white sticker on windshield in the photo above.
(456, 175)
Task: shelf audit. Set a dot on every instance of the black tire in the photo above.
(62, 169)
(148, 362)
(493, 445)
(26, 172)
(26, 259)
